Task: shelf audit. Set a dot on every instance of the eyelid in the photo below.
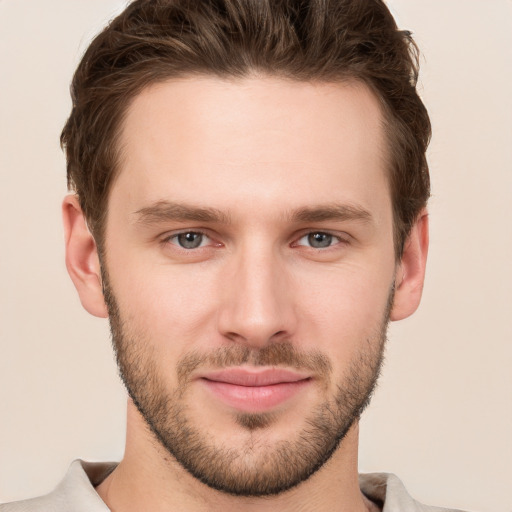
(171, 237)
(343, 238)
(185, 231)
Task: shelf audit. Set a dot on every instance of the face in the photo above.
(249, 272)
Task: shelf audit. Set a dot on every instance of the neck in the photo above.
(149, 478)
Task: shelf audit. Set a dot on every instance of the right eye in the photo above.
(189, 240)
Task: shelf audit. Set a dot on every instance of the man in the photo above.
(249, 200)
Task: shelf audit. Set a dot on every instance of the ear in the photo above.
(82, 259)
(410, 272)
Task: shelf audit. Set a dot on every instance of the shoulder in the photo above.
(75, 493)
(389, 492)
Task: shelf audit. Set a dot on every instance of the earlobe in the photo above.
(82, 259)
(410, 273)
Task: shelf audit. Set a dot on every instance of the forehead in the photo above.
(260, 139)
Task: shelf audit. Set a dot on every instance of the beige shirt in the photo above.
(76, 492)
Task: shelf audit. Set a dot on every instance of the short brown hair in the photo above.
(304, 40)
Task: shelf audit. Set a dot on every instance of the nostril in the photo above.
(257, 340)
(233, 336)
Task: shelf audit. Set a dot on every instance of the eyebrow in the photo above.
(332, 212)
(165, 211)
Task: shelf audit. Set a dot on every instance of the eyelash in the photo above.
(337, 238)
(169, 239)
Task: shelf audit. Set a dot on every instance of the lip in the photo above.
(255, 390)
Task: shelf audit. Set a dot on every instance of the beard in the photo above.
(259, 468)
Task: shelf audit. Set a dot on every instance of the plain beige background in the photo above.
(442, 416)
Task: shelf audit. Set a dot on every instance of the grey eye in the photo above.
(190, 240)
(320, 240)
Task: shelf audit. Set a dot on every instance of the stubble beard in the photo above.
(259, 468)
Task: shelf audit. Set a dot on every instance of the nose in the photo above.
(257, 305)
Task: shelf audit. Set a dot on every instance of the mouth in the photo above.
(255, 390)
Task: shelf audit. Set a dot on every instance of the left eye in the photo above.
(318, 240)
(189, 240)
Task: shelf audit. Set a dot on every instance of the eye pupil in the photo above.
(190, 240)
(319, 240)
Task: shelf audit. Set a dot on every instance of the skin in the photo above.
(257, 151)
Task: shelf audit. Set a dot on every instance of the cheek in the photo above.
(345, 308)
(167, 304)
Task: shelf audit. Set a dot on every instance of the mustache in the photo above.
(277, 354)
